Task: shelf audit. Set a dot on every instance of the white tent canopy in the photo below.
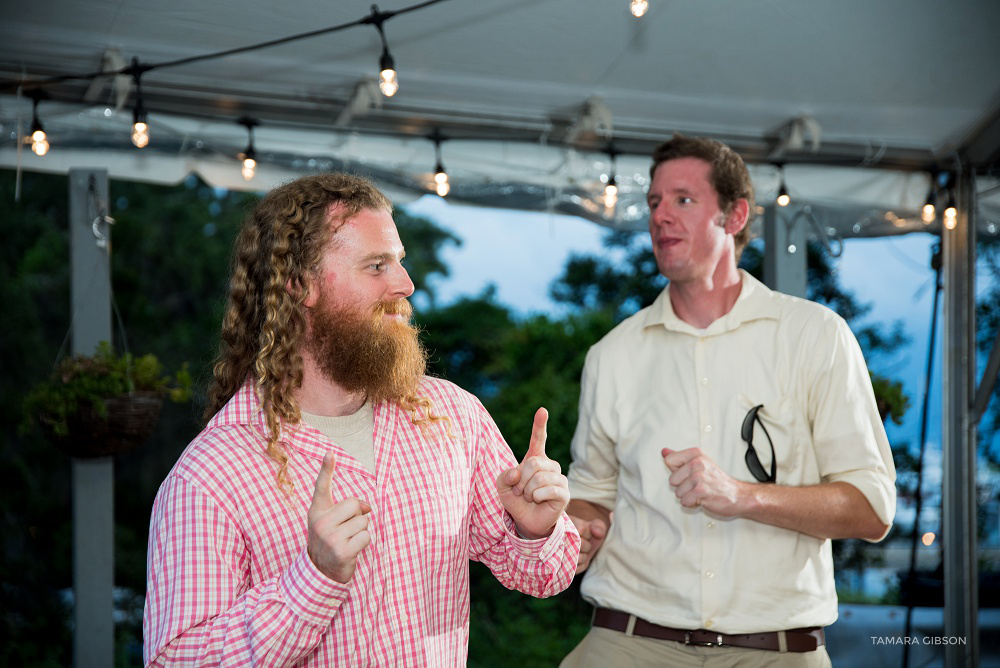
(529, 96)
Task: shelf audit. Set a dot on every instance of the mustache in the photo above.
(394, 307)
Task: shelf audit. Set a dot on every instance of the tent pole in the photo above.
(93, 479)
(784, 252)
(959, 436)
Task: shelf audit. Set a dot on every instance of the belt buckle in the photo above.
(688, 641)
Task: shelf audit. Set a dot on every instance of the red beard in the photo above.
(369, 353)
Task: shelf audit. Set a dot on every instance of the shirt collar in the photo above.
(756, 301)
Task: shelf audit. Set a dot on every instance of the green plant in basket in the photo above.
(103, 403)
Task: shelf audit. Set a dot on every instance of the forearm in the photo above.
(587, 511)
(277, 622)
(827, 510)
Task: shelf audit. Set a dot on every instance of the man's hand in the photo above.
(592, 522)
(698, 481)
(337, 531)
(536, 492)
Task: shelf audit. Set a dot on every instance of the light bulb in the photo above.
(249, 168)
(441, 177)
(639, 7)
(39, 146)
(388, 83)
(950, 217)
(443, 187)
(783, 198)
(928, 213)
(38, 136)
(140, 134)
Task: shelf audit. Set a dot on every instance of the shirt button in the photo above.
(708, 623)
(709, 574)
(711, 524)
(704, 381)
(708, 428)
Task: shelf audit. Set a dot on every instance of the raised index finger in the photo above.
(322, 493)
(536, 446)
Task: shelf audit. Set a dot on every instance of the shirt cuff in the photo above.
(310, 594)
(878, 490)
(541, 548)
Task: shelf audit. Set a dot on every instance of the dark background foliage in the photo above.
(170, 262)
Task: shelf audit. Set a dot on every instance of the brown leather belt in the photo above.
(796, 640)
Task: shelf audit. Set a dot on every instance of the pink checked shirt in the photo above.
(229, 580)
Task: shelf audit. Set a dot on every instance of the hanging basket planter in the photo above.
(103, 404)
(125, 422)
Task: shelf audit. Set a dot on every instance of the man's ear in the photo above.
(297, 288)
(738, 215)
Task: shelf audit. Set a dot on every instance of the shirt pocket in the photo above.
(777, 427)
(448, 501)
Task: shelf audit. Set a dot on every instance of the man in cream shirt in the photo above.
(727, 433)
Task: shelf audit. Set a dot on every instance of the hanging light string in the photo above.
(611, 189)
(929, 211)
(249, 154)
(39, 142)
(387, 81)
(367, 20)
(140, 125)
(441, 184)
(783, 198)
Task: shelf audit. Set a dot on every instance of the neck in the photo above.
(321, 396)
(702, 301)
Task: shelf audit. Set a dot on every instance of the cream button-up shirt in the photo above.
(656, 381)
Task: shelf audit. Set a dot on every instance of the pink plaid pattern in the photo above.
(229, 581)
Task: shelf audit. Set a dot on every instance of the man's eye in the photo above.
(377, 266)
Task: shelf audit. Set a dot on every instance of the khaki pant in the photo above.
(605, 648)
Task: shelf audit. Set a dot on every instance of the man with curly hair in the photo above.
(327, 512)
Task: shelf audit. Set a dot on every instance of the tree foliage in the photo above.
(170, 266)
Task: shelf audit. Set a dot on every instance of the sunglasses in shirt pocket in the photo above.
(774, 426)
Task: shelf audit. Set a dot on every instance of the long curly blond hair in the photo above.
(278, 248)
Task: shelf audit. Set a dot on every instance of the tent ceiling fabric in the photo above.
(879, 88)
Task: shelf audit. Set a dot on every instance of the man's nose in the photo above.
(401, 286)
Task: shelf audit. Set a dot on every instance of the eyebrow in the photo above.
(383, 257)
(680, 190)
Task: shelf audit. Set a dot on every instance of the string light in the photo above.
(950, 217)
(929, 211)
(140, 127)
(783, 198)
(639, 7)
(39, 142)
(611, 189)
(388, 83)
(441, 185)
(249, 155)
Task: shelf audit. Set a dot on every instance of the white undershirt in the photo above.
(354, 433)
